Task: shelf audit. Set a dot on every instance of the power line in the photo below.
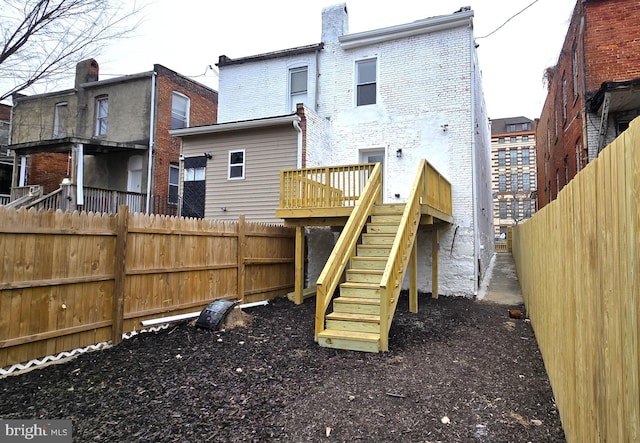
(509, 19)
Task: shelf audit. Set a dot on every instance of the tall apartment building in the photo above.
(593, 91)
(513, 163)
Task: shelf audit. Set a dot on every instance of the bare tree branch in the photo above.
(42, 40)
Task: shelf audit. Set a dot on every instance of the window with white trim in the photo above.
(297, 86)
(366, 82)
(236, 165)
(102, 111)
(60, 120)
(179, 111)
(194, 174)
(174, 179)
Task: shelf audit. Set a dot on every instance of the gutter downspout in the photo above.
(296, 125)
(583, 111)
(474, 173)
(316, 86)
(152, 142)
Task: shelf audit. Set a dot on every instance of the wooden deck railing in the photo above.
(326, 187)
(437, 190)
(96, 200)
(4, 199)
(404, 246)
(345, 246)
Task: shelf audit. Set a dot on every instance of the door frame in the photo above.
(363, 153)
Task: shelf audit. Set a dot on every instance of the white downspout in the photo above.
(296, 125)
(474, 173)
(152, 141)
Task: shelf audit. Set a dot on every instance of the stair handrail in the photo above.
(46, 202)
(332, 272)
(394, 271)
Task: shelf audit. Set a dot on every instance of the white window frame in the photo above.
(357, 82)
(59, 121)
(176, 168)
(236, 165)
(301, 96)
(187, 110)
(99, 130)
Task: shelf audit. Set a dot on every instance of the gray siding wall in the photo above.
(267, 151)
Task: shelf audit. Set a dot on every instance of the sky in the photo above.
(189, 35)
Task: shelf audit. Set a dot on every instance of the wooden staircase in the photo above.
(355, 321)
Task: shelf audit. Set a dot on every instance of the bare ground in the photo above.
(458, 371)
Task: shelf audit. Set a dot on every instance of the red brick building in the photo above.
(110, 135)
(593, 91)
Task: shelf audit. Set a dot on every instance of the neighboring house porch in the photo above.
(101, 176)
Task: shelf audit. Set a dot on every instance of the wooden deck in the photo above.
(351, 197)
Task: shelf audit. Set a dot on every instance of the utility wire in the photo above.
(509, 19)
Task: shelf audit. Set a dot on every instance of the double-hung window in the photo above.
(502, 205)
(297, 87)
(526, 182)
(236, 164)
(513, 156)
(366, 76)
(179, 111)
(515, 213)
(102, 111)
(502, 183)
(514, 182)
(502, 158)
(174, 179)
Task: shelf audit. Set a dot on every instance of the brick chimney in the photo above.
(335, 22)
(86, 71)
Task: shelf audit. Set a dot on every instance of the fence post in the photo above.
(509, 238)
(242, 226)
(120, 274)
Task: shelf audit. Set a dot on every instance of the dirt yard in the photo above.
(458, 371)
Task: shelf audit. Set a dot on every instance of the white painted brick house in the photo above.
(396, 95)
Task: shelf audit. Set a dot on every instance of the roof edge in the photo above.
(223, 60)
(235, 126)
(418, 27)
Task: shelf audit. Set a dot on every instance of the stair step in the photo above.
(342, 321)
(373, 250)
(368, 262)
(360, 290)
(386, 219)
(364, 275)
(388, 209)
(383, 228)
(378, 238)
(356, 305)
(351, 340)
(351, 316)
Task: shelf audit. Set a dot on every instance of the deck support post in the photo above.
(434, 263)
(413, 277)
(299, 265)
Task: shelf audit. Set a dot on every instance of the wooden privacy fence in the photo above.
(70, 280)
(578, 262)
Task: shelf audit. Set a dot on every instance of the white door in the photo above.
(374, 156)
(134, 177)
